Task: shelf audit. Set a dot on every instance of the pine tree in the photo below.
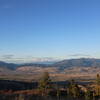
(88, 95)
(97, 86)
(73, 89)
(98, 79)
(58, 93)
(44, 83)
(21, 97)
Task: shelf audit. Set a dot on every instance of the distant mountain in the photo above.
(82, 62)
(8, 65)
(61, 70)
(12, 66)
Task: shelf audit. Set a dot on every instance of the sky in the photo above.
(32, 30)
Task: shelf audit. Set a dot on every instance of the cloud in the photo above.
(79, 55)
(7, 56)
(35, 59)
(27, 59)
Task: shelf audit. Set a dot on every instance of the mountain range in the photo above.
(82, 62)
(61, 70)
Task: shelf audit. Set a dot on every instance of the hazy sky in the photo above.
(49, 28)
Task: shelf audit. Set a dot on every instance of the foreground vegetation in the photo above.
(48, 91)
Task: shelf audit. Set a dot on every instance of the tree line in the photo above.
(73, 90)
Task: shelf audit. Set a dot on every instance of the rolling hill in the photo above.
(62, 70)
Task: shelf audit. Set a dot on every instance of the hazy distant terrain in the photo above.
(63, 70)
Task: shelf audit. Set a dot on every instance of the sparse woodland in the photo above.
(46, 90)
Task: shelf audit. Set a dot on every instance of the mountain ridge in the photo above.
(62, 70)
(67, 63)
